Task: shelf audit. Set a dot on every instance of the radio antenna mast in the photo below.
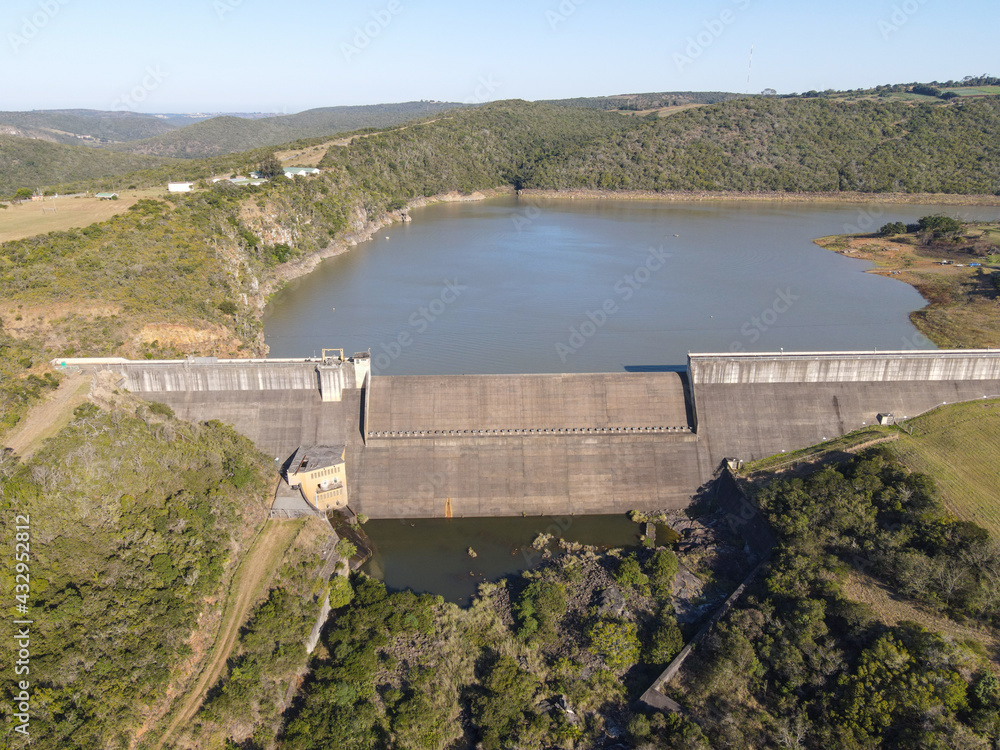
(749, 68)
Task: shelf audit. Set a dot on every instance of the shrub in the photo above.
(661, 569)
(630, 574)
(615, 641)
(539, 609)
(893, 227)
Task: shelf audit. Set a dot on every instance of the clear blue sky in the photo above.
(253, 55)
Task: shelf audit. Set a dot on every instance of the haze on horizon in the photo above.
(247, 55)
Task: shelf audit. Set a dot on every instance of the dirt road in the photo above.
(261, 561)
(45, 419)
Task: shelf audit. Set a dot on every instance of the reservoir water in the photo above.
(507, 285)
(554, 285)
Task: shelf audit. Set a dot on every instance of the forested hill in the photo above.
(227, 135)
(640, 102)
(35, 163)
(758, 144)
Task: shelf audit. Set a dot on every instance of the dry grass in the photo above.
(48, 418)
(59, 214)
(892, 609)
(959, 445)
(963, 308)
(249, 583)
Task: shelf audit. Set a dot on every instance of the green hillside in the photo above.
(640, 102)
(226, 135)
(760, 144)
(796, 145)
(63, 125)
(33, 163)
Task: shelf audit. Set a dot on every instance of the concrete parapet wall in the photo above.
(845, 367)
(141, 378)
(330, 378)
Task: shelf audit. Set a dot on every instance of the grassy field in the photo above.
(974, 90)
(959, 445)
(59, 214)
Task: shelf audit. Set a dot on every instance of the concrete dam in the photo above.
(560, 444)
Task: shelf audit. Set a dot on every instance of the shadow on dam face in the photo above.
(564, 444)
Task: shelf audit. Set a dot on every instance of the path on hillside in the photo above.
(258, 564)
(46, 418)
(892, 608)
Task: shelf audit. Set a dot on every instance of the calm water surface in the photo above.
(432, 555)
(506, 286)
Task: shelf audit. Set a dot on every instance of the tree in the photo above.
(630, 574)
(893, 227)
(23, 194)
(341, 592)
(939, 225)
(500, 710)
(270, 167)
(346, 549)
(666, 640)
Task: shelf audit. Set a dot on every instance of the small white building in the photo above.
(291, 172)
(179, 187)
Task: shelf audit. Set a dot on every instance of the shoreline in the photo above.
(364, 227)
(948, 199)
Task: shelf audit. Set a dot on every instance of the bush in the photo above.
(661, 569)
(666, 640)
(630, 574)
(893, 227)
(539, 609)
(157, 407)
(615, 641)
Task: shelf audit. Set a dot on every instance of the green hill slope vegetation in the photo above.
(804, 145)
(153, 264)
(642, 102)
(226, 135)
(64, 125)
(799, 664)
(35, 164)
(136, 520)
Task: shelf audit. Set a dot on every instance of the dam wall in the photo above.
(503, 445)
(749, 406)
(845, 367)
(330, 377)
